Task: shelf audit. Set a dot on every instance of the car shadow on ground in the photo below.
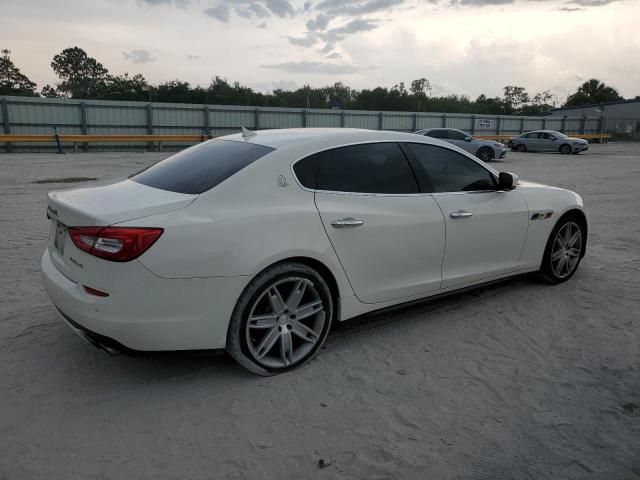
(190, 366)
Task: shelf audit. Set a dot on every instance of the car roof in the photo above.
(285, 137)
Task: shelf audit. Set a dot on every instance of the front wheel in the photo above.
(565, 248)
(281, 319)
(485, 154)
(565, 149)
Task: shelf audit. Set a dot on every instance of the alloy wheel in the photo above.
(566, 250)
(285, 322)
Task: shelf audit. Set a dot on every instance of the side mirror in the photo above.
(507, 181)
(468, 139)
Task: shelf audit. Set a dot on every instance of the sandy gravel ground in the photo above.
(514, 381)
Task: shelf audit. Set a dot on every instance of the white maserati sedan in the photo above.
(258, 242)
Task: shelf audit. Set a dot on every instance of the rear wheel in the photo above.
(281, 319)
(521, 148)
(565, 248)
(565, 149)
(485, 154)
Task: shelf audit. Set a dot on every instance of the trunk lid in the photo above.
(111, 204)
(101, 206)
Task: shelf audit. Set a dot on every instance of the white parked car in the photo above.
(485, 150)
(257, 243)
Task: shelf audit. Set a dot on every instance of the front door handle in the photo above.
(346, 223)
(460, 214)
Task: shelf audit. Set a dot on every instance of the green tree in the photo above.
(13, 81)
(50, 92)
(81, 76)
(593, 91)
(125, 87)
(514, 99)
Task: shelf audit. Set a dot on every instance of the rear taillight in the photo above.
(118, 244)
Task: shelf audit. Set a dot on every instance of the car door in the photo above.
(485, 228)
(458, 138)
(548, 142)
(388, 236)
(530, 141)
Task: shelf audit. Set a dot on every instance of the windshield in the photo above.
(200, 168)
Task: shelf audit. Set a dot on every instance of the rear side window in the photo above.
(367, 168)
(443, 170)
(307, 171)
(437, 134)
(200, 168)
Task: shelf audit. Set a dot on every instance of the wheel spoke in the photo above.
(286, 348)
(263, 321)
(574, 252)
(267, 343)
(309, 309)
(304, 332)
(557, 254)
(567, 234)
(560, 265)
(275, 300)
(296, 295)
(574, 239)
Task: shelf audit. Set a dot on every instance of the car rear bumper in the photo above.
(151, 314)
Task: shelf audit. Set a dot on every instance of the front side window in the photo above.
(200, 168)
(548, 136)
(366, 168)
(442, 170)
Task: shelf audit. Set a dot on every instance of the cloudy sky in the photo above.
(461, 46)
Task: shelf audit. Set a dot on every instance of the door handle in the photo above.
(346, 223)
(460, 214)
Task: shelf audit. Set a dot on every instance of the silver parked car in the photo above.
(485, 150)
(548, 141)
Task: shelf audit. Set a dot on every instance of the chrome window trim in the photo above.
(367, 194)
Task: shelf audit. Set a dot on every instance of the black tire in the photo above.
(485, 154)
(521, 147)
(565, 149)
(547, 271)
(237, 334)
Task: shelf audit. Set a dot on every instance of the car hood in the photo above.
(488, 143)
(578, 140)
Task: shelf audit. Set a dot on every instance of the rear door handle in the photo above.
(460, 214)
(346, 223)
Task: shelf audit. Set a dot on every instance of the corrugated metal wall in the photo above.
(40, 115)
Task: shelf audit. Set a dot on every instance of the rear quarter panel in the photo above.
(242, 226)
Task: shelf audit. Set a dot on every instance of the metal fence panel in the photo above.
(29, 115)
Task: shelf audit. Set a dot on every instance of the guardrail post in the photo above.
(150, 123)
(583, 124)
(380, 120)
(304, 118)
(444, 120)
(601, 128)
(85, 126)
(473, 125)
(5, 122)
(342, 119)
(415, 121)
(563, 124)
(256, 119)
(521, 124)
(55, 134)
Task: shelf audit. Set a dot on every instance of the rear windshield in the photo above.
(200, 168)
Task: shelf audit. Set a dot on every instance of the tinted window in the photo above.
(368, 168)
(307, 171)
(437, 134)
(443, 170)
(530, 135)
(200, 168)
(457, 135)
(548, 136)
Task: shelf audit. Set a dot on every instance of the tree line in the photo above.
(82, 76)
